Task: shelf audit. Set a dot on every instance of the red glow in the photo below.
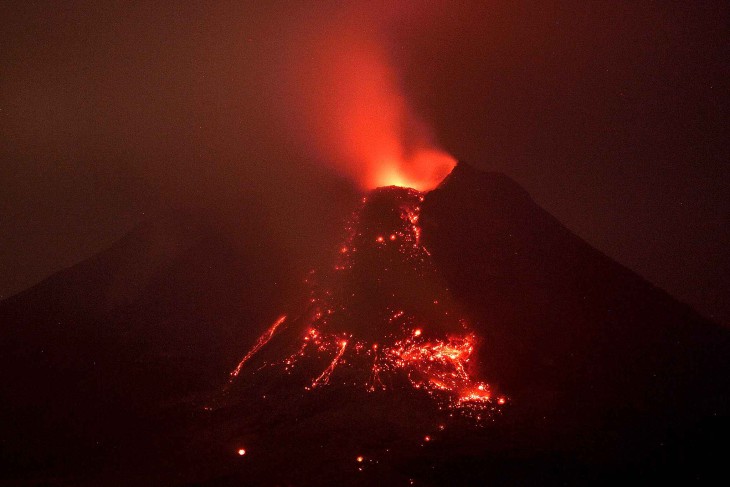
(353, 113)
(423, 171)
(241, 452)
(263, 340)
(324, 377)
(412, 348)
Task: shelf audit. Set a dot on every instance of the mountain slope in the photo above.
(597, 360)
(608, 377)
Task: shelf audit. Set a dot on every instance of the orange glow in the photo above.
(359, 459)
(424, 170)
(324, 377)
(241, 452)
(348, 104)
(413, 351)
(263, 340)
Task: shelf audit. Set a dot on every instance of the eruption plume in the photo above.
(379, 323)
(349, 107)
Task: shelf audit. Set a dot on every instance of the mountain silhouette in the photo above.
(457, 337)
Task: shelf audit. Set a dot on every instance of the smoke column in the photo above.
(345, 102)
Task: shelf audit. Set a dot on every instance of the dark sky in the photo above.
(613, 115)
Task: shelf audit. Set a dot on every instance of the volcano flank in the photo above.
(459, 336)
(380, 320)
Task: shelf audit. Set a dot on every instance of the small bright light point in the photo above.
(426, 438)
(380, 239)
(417, 332)
(501, 400)
(481, 387)
(343, 250)
(392, 237)
(241, 452)
(359, 459)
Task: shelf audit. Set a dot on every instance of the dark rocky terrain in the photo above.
(109, 368)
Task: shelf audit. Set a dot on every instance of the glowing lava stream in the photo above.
(384, 316)
(324, 377)
(263, 340)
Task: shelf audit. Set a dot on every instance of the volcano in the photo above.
(381, 319)
(459, 336)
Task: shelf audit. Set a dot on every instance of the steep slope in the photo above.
(96, 353)
(92, 349)
(129, 355)
(597, 360)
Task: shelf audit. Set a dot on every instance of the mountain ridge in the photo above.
(603, 369)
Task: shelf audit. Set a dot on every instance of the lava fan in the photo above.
(380, 320)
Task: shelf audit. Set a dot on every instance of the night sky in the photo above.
(613, 115)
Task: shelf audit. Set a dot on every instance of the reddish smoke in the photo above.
(349, 107)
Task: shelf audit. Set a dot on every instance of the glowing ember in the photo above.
(324, 377)
(241, 452)
(383, 320)
(263, 340)
(359, 459)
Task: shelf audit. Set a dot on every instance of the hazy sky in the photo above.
(613, 115)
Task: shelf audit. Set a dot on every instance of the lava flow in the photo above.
(380, 319)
